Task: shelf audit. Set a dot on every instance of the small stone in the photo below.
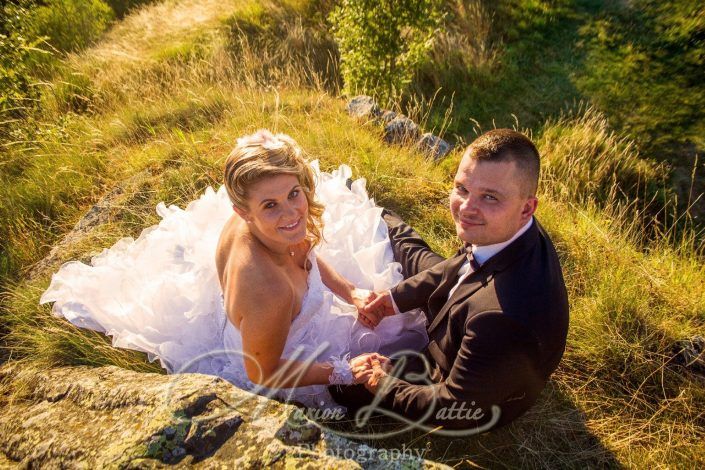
(387, 116)
(401, 129)
(433, 146)
(363, 107)
(169, 433)
(178, 452)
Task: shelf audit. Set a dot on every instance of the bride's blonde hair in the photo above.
(262, 155)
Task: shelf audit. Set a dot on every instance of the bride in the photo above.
(255, 283)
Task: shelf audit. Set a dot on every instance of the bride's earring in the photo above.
(241, 213)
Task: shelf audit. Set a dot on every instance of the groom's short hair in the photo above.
(507, 145)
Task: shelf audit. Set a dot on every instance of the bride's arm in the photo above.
(335, 282)
(266, 307)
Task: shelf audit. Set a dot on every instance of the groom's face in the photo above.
(489, 202)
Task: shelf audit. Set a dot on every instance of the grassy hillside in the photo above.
(156, 104)
(639, 63)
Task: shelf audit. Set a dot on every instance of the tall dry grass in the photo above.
(469, 41)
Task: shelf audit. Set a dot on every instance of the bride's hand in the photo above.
(378, 306)
(361, 368)
(360, 297)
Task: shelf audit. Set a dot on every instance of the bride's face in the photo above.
(278, 209)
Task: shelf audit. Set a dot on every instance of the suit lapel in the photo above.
(448, 279)
(470, 285)
(482, 276)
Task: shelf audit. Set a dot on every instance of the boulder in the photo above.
(433, 146)
(690, 354)
(401, 130)
(364, 108)
(387, 116)
(110, 417)
(107, 208)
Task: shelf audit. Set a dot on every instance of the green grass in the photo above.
(166, 109)
(504, 62)
(638, 63)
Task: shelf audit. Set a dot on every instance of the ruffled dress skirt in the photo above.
(160, 294)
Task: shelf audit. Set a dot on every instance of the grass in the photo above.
(638, 63)
(163, 101)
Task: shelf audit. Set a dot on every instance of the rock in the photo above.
(364, 108)
(102, 212)
(209, 433)
(433, 146)
(298, 430)
(400, 130)
(110, 417)
(387, 116)
(690, 353)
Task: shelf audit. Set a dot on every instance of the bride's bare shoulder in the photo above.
(249, 277)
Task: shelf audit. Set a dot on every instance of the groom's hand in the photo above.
(381, 366)
(364, 365)
(379, 305)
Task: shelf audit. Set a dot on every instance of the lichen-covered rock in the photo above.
(433, 146)
(401, 130)
(364, 108)
(298, 430)
(110, 417)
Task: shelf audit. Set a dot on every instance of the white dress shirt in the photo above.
(485, 252)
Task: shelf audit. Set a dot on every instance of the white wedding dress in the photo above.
(160, 293)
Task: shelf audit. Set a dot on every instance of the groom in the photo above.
(497, 311)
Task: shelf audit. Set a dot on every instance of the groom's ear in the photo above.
(529, 208)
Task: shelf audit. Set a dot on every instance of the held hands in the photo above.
(377, 306)
(369, 369)
(360, 297)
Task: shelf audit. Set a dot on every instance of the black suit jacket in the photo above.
(493, 343)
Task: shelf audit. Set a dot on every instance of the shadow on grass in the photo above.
(553, 433)
(531, 78)
(187, 117)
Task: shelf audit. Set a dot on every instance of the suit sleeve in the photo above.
(495, 364)
(414, 292)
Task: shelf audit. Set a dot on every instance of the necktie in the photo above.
(474, 265)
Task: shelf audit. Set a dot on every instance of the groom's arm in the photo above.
(415, 291)
(496, 365)
(407, 295)
(410, 250)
